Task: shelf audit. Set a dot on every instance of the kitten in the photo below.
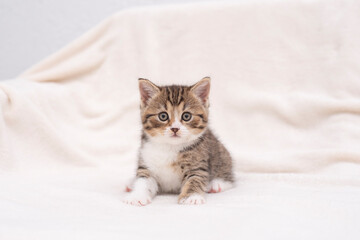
(178, 153)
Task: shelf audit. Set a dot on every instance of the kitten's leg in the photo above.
(143, 190)
(193, 189)
(219, 185)
(222, 171)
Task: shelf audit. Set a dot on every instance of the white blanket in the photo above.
(285, 100)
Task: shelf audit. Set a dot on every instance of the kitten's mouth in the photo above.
(175, 135)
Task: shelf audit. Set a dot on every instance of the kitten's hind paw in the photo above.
(129, 185)
(137, 199)
(218, 185)
(193, 199)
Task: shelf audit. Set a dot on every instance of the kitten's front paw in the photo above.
(193, 199)
(137, 199)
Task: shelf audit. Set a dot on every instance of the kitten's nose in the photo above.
(174, 129)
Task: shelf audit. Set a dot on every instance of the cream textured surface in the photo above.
(285, 100)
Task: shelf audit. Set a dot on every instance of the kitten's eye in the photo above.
(163, 116)
(186, 116)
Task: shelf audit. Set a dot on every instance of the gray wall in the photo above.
(32, 29)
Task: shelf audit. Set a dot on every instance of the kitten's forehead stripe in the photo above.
(175, 94)
(180, 96)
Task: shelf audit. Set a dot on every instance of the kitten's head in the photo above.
(174, 114)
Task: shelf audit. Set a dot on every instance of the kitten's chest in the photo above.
(160, 161)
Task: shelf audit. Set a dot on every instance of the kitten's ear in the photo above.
(147, 90)
(202, 89)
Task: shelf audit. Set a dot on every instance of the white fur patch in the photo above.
(158, 157)
(218, 185)
(144, 189)
(193, 199)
